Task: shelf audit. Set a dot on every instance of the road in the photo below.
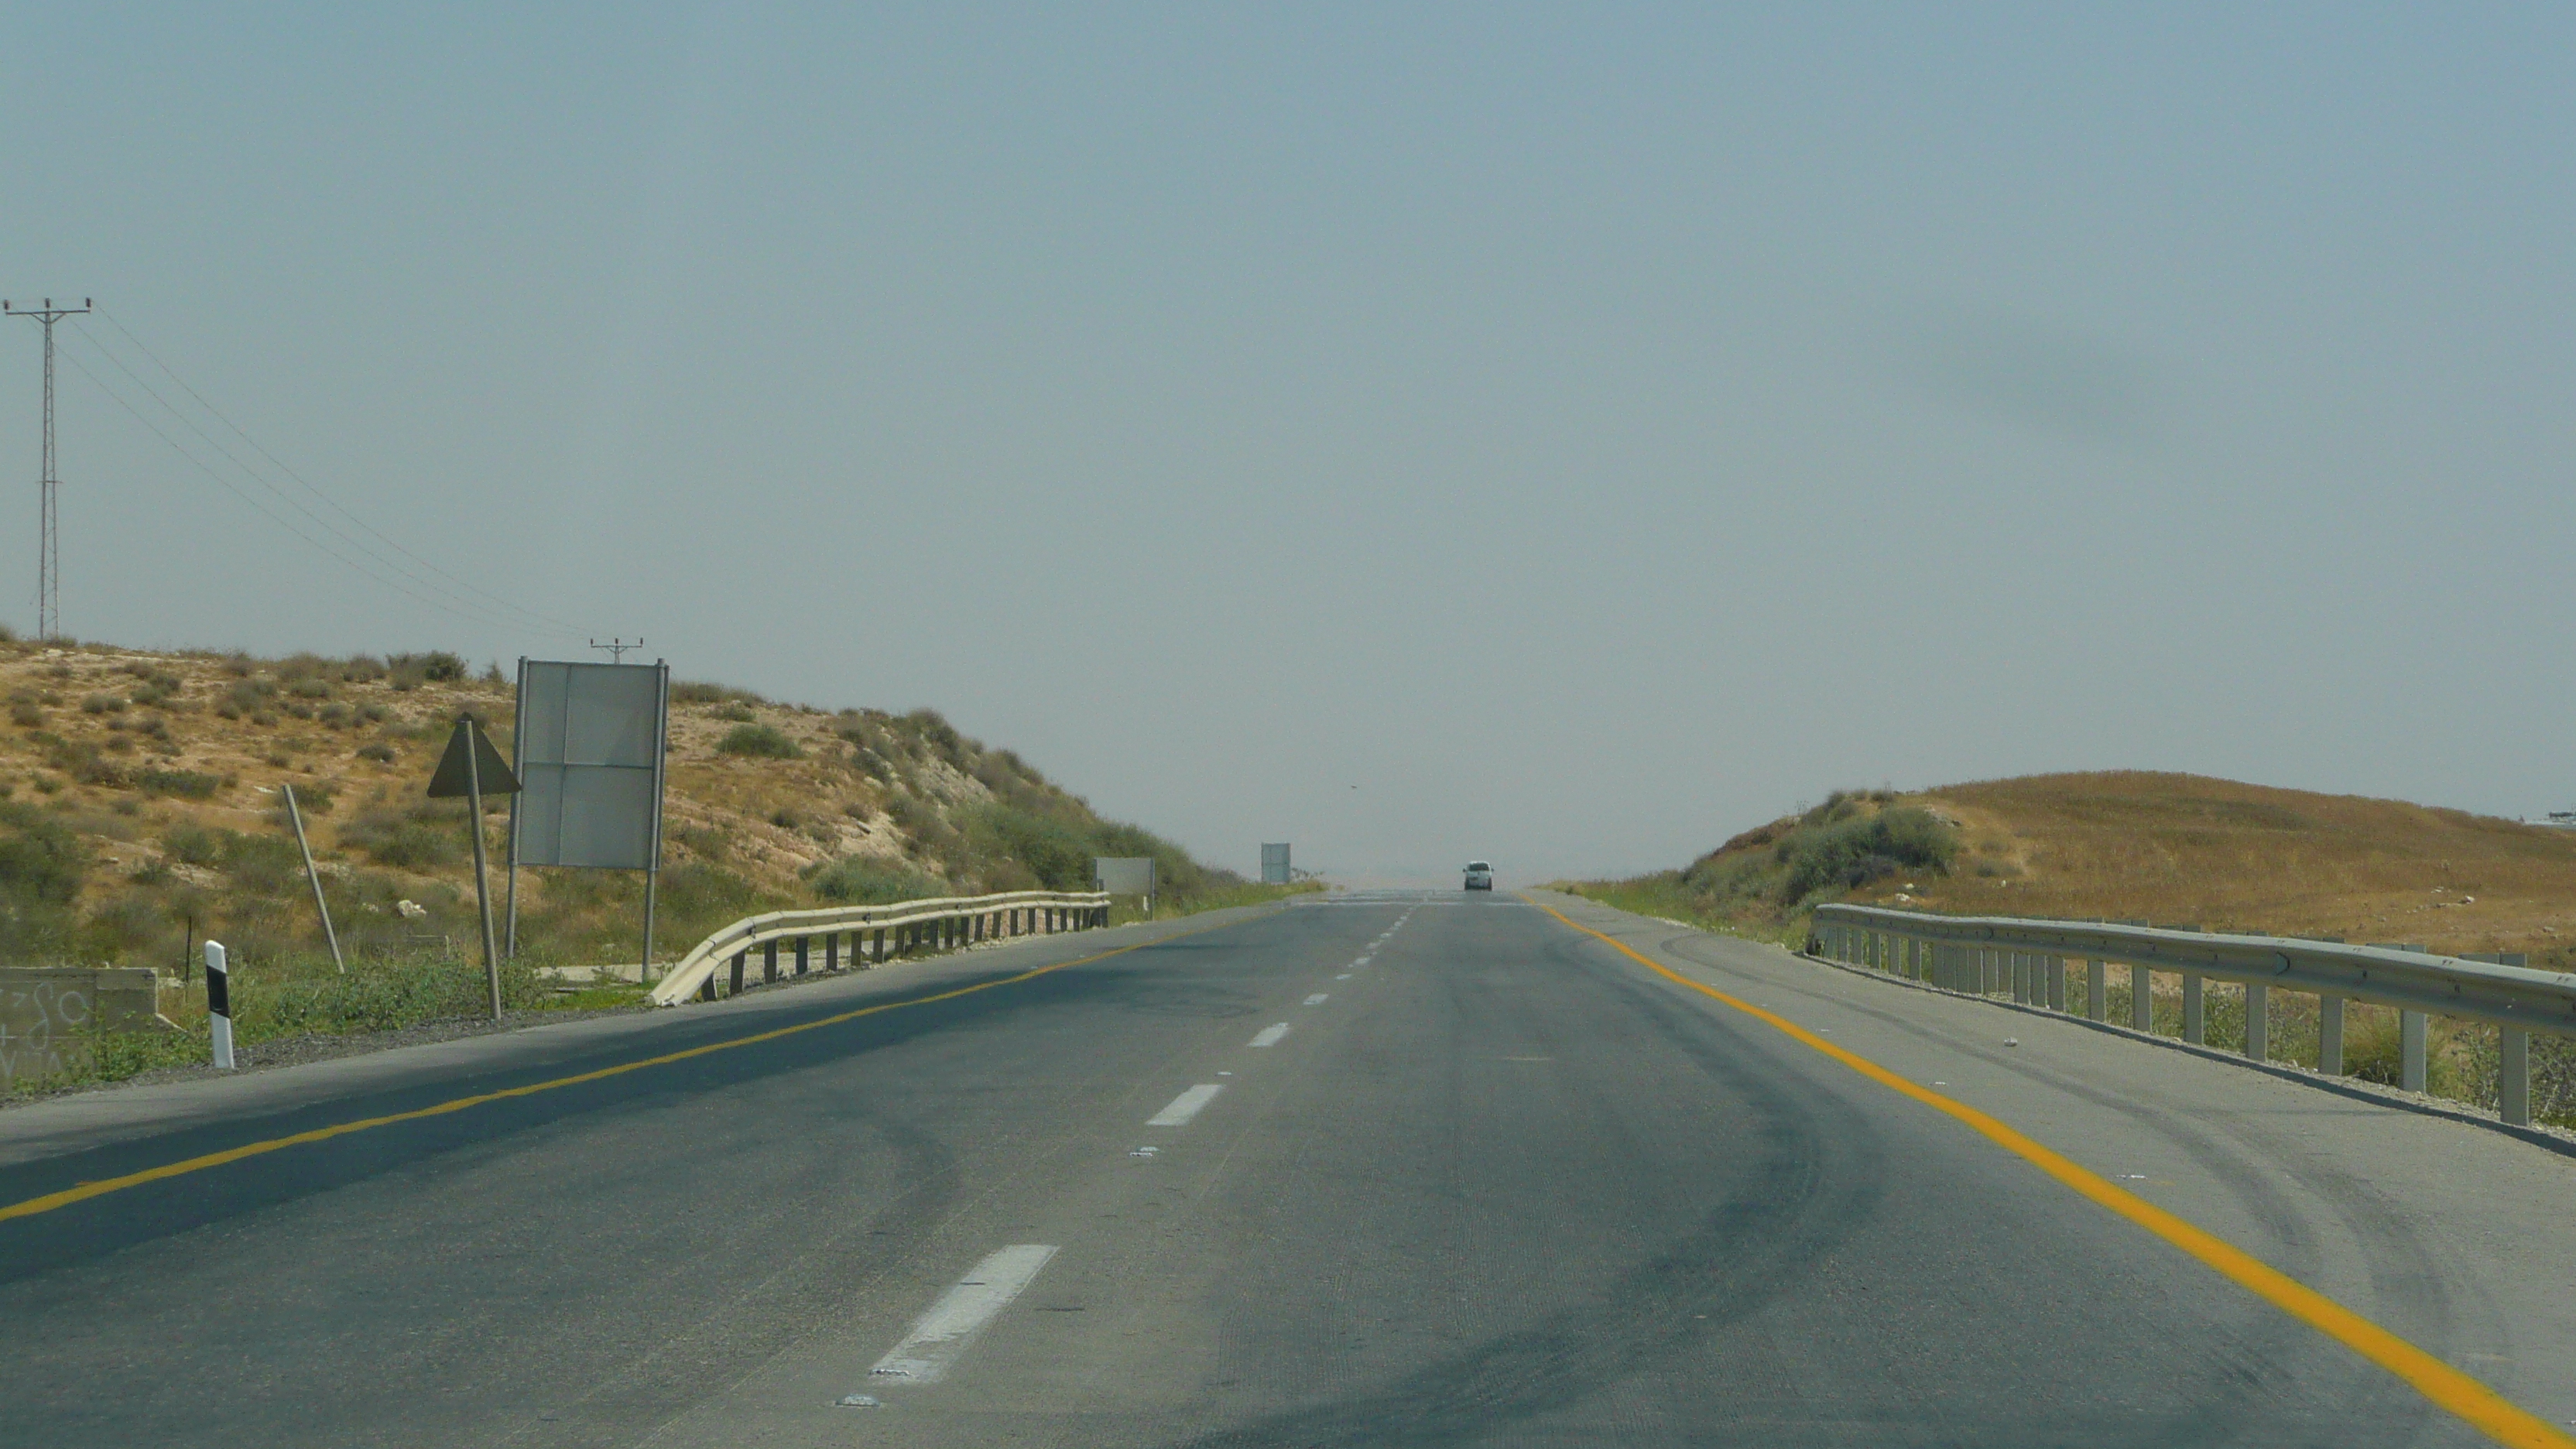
(1385, 1170)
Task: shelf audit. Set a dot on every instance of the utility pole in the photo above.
(617, 647)
(49, 562)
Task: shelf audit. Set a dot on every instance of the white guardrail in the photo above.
(877, 934)
(1998, 955)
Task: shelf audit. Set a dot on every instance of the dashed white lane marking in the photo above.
(1317, 999)
(1270, 1035)
(1345, 976)
(1364, 960)
(940, 1335)
(1186, 1105)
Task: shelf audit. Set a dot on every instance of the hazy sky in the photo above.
(1565, 434)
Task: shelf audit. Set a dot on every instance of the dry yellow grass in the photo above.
(137, 754)
(2189, 850)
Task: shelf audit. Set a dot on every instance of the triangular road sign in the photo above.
(494, 772)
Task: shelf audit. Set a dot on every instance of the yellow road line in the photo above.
(83, 1192)
(2481, 1407)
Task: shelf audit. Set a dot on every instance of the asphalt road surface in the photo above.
(1384, 1170)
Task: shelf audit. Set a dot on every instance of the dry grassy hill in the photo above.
(2172, 849)
(139, 806)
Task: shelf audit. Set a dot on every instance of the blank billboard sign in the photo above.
(1274, 864)
(590, 754)
(1123, 875)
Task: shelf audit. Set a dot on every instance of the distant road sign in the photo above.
(1123, 875)
(1274, 864)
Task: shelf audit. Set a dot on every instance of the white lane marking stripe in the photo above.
(1185, 1106)
(1364, 960)
(1317, 999)
(939, 1336)
(1269, 1036)
(1345, 976)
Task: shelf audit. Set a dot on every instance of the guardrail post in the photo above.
(2258, 1000)
(2513, 1076)
(2410, 1050)
(2097, 990)
(803, 963)
(2054, 968)
(876, 955)
(2142, 999)
(2021, 976)
(707, 988)
(832, 951)
(2194, 1020)
(738, 959)
(2330, 1035)
(769, 960)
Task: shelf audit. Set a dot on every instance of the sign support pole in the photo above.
(482, 881)
(519, 767)
(653, 862)
(321, 907)
(460, 773)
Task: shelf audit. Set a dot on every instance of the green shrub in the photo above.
(41, 861)
(438, 666)
(1852, 850)
(418, 837)
(193, 844)
(698, 691)
(758, 741)
(186, 784)
(865, 881)
(1055, 854)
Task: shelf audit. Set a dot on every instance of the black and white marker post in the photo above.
(219, 1005)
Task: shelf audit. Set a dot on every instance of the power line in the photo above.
(263, 511)
(542, 623)
(49, 562)
(327, 500)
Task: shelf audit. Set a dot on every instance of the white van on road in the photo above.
(1480, 876)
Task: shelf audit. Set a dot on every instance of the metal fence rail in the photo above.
(1997, 955)
(876, 934)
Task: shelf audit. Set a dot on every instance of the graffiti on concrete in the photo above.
(46, 1015)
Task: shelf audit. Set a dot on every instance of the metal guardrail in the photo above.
(877, 934)
(1997, 955)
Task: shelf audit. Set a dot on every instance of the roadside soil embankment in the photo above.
(2181, 851)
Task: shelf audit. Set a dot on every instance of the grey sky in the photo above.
(1585, 431)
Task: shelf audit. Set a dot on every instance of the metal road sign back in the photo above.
(491, 772)
(1123, 875)
(590, 746)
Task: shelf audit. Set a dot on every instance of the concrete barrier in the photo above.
(46, 1012)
